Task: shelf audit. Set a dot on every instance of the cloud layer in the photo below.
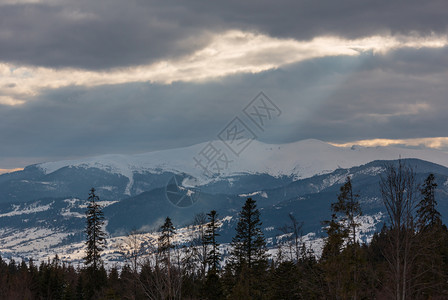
(230, 53)
(81, 78)
(104, 34)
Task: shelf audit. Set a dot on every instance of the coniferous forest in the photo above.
(406, 259)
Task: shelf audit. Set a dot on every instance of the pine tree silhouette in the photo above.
(210, 239)
(427, 214)
(249, 245)
(96, 237)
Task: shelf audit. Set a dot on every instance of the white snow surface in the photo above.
(261, 193)
(32, 208)
(42, 244)
(301, 159)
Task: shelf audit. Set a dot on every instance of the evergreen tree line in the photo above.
(406, 259)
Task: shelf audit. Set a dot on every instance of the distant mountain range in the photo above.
(42, 207)
(117, 177)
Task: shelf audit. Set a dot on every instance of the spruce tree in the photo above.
(248, 256)
(96, 237)
(210, 239)
(341, 231)
(166, 240)
(427, 214)
(342, 226)
(337, 233)
(349, 207)
(249, 244)
(95, 243)
(171, 280)
(431, 235)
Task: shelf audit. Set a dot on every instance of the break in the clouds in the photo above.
(104, 34)
(134, 76)
(229, 53)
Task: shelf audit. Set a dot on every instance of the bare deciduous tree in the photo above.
(133, 249)
(399, 191)
(293, 242)
(198, 245)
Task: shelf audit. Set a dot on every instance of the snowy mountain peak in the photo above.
(301, 159)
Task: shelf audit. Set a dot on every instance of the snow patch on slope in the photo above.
(30, 209)
(261, 193)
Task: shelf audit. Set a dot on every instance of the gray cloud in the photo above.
(109, 33)
(399, 95)
(95, 34)
(348, 18)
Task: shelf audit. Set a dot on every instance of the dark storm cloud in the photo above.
(103, 34)
(347, 18)
(338, 99)
(95, 34)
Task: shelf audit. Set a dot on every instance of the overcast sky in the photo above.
(82, 78)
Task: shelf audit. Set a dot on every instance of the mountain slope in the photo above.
(35, 228)
(120, 176)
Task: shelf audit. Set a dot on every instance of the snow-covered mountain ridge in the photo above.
(117, 177)
(301, 159)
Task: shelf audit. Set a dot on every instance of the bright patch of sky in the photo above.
(228, 53)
